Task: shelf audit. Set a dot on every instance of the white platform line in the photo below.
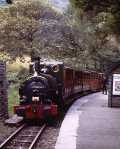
(68, 133)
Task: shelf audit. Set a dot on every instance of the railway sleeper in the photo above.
(22, 141)
(30, 135)
(9, 147)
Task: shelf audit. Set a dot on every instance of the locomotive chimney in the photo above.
(35, 64)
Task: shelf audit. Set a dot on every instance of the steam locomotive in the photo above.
(50, 87)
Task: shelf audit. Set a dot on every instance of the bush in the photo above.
(22, 75)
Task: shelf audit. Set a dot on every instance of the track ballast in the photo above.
(25, 136)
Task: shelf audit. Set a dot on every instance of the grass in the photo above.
(12, 71)
(13, 98)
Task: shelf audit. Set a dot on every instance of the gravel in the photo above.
(46, 141)
(5, 131)
(48, 138)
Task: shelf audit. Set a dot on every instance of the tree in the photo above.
(18, 28)
(108, 9)
(30, 26)
(101, 34)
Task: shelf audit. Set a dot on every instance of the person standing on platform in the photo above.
(104, 86)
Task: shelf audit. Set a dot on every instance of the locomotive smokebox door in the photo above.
(114, 87)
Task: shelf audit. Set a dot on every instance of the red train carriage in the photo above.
(43, 95)
(78, 83)
(94, 81)
(68, 82)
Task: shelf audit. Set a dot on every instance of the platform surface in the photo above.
(14, 120)
(90, 124)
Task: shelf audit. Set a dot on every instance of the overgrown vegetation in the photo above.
(107, 11)
(102, 33)
(87, 37)
(30, 26)
(13, 98)
(16, 73)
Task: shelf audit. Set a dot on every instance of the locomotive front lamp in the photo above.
(35, 99)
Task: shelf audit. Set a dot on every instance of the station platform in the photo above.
(90, 124)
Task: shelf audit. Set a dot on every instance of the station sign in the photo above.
(116, 84)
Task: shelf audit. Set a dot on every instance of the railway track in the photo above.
(25, 137)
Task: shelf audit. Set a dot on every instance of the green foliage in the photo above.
(108, 7)
(4, 56)
(22, 75)
(98, 22)
(28, 26)
(13, 70)
(13, 98)
(18, 28)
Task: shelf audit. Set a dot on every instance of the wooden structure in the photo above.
(114, 87)
(3, 91)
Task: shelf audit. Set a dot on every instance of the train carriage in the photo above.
(68, 81)
(78, 84)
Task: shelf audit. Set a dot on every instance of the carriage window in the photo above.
(2, 92)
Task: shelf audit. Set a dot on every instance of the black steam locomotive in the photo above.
(41, 94)
(51, 84)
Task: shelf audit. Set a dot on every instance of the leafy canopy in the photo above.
(18, 24)
(110, 9)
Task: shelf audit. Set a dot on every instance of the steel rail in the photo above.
(11, 136)
(37, 136)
